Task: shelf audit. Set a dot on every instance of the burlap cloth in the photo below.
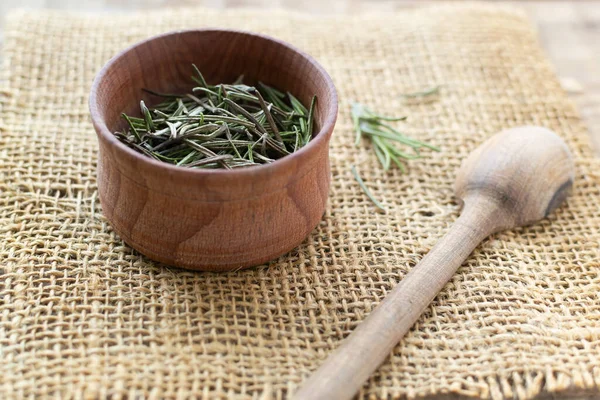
(85, 316)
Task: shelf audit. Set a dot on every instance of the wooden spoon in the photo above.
(515, 178)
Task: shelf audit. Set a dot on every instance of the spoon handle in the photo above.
(346, 369)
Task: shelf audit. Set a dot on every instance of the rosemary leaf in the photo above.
(366, 190)
(214, 124)
(311, 116)
(200, 78)
(424, 93)
(147, 117)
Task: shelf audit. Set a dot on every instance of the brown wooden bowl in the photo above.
(212, 220)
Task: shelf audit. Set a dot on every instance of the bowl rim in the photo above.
(321, 138)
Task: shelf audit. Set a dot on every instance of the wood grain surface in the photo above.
(201, 218)
(515, 178)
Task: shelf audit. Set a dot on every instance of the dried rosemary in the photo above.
(385, 139)
(424, 93)
(220, 126)
(365, 189)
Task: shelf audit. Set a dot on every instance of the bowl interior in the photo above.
(164, 64)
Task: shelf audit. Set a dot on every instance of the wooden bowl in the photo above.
(213, 220)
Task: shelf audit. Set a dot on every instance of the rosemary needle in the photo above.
(423, 93)
(366, 189)
(220, 126)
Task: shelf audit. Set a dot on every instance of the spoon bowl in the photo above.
(522, 174)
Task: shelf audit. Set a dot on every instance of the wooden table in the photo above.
(570, 34)
(569, 31)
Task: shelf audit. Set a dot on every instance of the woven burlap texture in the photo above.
(85, 316)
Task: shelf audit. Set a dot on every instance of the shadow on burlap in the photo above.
(84, 315)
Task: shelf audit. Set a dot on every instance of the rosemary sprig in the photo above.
(385, 140)
(385, 137)
(220, 126)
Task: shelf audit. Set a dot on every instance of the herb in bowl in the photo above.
(220, 126)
